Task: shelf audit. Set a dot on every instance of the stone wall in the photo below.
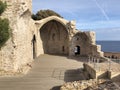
(95, 74)
(92, 37)
(91, 71)
(80, 40)
(86, 42)
(17, 52)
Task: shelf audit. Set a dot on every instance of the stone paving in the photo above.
(48, 73)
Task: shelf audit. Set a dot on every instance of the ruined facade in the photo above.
(29, 38)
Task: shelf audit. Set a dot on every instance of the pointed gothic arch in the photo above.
(54, 36)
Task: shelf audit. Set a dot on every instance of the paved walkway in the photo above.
(48, 73)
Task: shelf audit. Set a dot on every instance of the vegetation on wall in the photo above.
(3, 6)
(4, 31)
(43, 14)
(4, 26)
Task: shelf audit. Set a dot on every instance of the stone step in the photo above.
(115, 74)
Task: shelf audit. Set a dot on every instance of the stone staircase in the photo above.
(115, 75)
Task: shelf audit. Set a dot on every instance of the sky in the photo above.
(101, 16)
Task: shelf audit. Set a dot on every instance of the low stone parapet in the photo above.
(91, 71)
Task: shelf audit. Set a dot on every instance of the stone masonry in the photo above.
(29, 38)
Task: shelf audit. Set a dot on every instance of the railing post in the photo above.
(109, 64)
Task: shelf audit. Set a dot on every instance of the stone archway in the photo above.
(80, 44)
(54, 37)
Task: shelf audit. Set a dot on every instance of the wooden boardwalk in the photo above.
(48, 73)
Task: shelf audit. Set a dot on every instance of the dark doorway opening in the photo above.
(63, 48)
(34, 46)
(77, 50)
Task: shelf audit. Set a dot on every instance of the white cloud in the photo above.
(98, 24)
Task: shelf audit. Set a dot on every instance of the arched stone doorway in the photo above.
(34, 46)
(77, 50)
(54, 37)
(80, 44)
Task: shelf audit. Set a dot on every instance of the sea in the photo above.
(109, 46)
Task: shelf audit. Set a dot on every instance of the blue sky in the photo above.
(101, 16)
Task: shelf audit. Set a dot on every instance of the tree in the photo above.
(43, 14)
(4, 25)
(3, 6)
(4, 31)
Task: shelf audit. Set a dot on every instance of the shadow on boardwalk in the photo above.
(74, 75)
(56, 88)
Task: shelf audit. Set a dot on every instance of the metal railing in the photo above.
(95, 61)
(116, 60)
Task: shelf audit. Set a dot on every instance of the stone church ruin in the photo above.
(51, 35)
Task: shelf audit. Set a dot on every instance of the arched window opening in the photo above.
(77, 39)
(53, 36)
(34, 46)
(63, 48)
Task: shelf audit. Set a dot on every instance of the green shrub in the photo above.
(4, 25)
(3, 6)
(4, 31)
(43, 14)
